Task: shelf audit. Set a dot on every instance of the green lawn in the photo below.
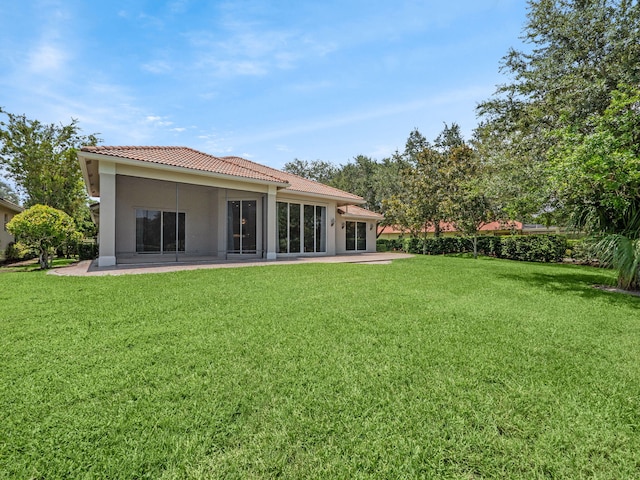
(433, 367)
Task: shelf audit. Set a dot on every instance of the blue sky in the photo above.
(267, 80)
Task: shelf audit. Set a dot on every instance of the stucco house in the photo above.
(174, 203)
(7, 211)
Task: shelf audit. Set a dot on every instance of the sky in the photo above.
(270, 81)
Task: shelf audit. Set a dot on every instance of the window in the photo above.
(157, 232)
(356, 236)
(6, 220)
(302, 228)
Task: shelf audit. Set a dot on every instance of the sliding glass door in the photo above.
(302, 228)
(356, 236)
(242, 226)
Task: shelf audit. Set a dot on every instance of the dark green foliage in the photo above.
(389, 244)
(579, 53)
(534, 248)
(14, 252)
(87, 250)
(530, 248)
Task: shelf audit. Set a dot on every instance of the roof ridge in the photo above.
(226, 158)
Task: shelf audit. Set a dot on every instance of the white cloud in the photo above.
(157, 66)
(47, 58)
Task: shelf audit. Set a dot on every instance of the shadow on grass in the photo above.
(32, 265)
(581, 281)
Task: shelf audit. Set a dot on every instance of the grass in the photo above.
(433, 367)
(33, 265)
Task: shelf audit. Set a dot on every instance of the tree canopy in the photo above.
(578, 53)
(42, 160)
(43, 229)
(8, 193)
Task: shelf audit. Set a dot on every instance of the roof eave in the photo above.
(341, 201)
(159, 166)
(11, 205)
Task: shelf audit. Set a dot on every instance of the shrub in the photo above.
(388, 244)
(534, 248)
(583, 251)
(531, 248)
(43, 229)
(15, 252)
(87, 250)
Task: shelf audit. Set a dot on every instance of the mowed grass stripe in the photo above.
(432, 367)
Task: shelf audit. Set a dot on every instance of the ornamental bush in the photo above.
(530, 248)
(534, 248)
(43, 229)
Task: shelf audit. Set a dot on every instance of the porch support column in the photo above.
(107, 254)
(272, 223)
(221, 227)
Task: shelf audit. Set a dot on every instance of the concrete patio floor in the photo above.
(90, 268)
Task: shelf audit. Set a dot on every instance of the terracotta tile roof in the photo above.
(183, 157)
(448, 227)
(356, 211)
(296, 183)
(234, 166)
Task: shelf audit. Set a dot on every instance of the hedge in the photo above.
(530, 248)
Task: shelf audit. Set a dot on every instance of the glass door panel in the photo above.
(242, 226)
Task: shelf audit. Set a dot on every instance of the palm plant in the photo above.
(623, 254)
(620, 250)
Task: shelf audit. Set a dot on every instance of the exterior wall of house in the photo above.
(341, 234)
(200, 205)
(332, 214)
(5, 237)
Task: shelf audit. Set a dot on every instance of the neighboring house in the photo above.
(7, 211)
(492, 228)
(448, 229)
(176, 203)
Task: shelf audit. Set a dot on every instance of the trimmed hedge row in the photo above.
(529, 248)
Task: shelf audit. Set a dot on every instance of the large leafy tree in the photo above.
(466, 202)
(364, 176)
(317, 170)
(577, 53)
(42, 160)
(438, 178)
(43, 229)
(8, 193)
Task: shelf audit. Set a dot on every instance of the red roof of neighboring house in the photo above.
(448, 227)
(234, 166)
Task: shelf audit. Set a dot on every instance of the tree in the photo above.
(8, 193)
(41, 159)
(323, 172)
(597, 174)
(43, 229)
(428, 178)
(580, 51)
(466, 203)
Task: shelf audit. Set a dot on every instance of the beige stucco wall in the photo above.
(199, 203)
(5, 237)
(341, 235)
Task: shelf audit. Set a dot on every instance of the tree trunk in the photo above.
(43, 258)
(475, 246)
